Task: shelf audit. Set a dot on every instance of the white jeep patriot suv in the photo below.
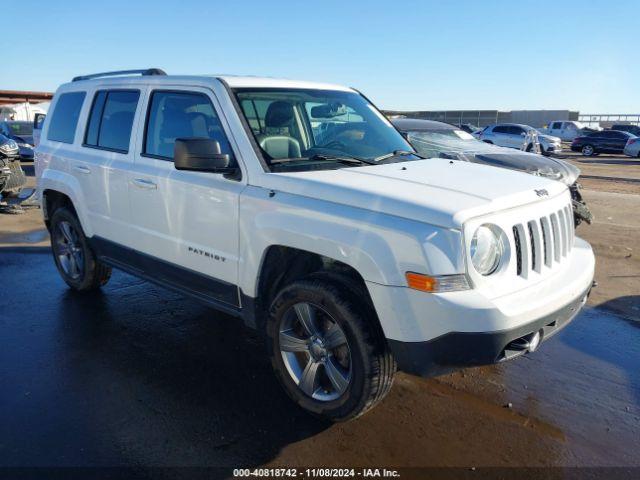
(300, 209)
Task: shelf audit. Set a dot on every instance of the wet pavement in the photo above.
(136, 375)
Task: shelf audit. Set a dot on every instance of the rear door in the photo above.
(105, 159)
(186, 221)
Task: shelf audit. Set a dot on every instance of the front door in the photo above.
(185, 220)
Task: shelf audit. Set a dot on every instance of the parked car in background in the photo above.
(632, 129)
(632, 148)
(567, 130)
(441, 140)
(606, 141)
(512, 135)
(12, 177)
(22, 133)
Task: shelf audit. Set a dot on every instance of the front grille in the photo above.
(547, 242)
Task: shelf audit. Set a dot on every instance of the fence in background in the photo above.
(607, 119)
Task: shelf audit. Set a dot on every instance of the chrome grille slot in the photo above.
(570, 225)
(536, 246)
(555, 229)
(563, 233)
(523, 263)
(516, 239)
(545, 227)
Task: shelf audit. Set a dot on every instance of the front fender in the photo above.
(381, 247)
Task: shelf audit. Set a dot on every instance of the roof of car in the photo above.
(234, 81)
(418, 125)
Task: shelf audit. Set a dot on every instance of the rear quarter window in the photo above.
(64, 119)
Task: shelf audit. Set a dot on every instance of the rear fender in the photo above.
(67, 184)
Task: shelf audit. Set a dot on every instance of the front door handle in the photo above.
(82, 169)
(143, 183)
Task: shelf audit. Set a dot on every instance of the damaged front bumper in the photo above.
(580, 210)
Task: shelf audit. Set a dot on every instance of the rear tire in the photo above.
(363, 360)
(76, 262)
(588, 150)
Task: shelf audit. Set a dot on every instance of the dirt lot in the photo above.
(139, 376)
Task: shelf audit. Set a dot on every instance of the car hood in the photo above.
(436, 191)
(531, 163)
(23, 139)
(549, 138)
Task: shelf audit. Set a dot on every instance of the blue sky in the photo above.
(405, 55)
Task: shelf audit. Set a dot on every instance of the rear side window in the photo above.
(111, 119)
(64, 120)
(175, 115)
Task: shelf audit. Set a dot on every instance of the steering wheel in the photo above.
(333, 144)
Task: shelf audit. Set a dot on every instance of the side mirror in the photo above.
(38, 120)
(523, 134)
(201, 155)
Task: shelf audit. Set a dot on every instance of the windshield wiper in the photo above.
(397, 153)
(331, 158)
(341, 158)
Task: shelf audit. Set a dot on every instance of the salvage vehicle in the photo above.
(441, 140)
(22, 133)
(298, 207)
(513, 135)
(12, 177)
(606, 141)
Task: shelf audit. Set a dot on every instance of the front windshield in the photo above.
(21, 128)
(300, 127)
(447, 143)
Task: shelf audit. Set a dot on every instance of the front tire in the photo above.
(76, 262)
(327, 349)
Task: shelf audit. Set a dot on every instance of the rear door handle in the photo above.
(143, 183)
(82, 169)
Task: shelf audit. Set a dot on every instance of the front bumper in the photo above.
(553, 148)
(466, 349)
(435, 333)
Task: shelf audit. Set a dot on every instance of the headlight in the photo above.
(486, 249)
(10, 145)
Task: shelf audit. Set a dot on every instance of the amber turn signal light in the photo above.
(418, 281)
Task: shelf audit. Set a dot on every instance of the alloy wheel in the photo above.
(587, 150)
(68, 249)
(315, 351)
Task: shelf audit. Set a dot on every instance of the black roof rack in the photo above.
(147, 71)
